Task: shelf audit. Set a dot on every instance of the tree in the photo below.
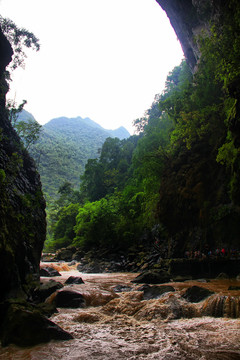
(63, 232)
(96, 224)
(92, 185)
(28, 130)
(19, 39)
(13, 110)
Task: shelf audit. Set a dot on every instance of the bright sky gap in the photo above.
(100, 59)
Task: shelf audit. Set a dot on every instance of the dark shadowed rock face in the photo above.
(22, 207)
(25, 326)
(189, 18)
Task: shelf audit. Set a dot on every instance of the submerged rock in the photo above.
(196, 294)
(152, 277)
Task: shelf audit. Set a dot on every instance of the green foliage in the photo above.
(64, 234)
(110, 172)
(29, 132)
(228, 153)
(114, 222)
(96, 224)
(61, 215)
(14, 111)
(63, 149)
(27, 129)
(222, 51)
(2, 176)
(19, 39)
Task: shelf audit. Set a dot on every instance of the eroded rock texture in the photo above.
(22, 206)
(189, 18)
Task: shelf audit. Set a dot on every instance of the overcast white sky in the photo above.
(103, 59)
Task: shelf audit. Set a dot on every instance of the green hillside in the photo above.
(64, 147)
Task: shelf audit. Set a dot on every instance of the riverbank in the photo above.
(139, 261)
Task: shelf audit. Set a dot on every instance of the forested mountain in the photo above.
(64, 146)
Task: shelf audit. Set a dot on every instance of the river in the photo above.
(120, 325)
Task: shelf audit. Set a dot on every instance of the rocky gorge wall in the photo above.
(188, 18)
(22, 206)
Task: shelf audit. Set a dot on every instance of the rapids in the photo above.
(120, 325)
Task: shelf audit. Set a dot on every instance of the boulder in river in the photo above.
(45, 290)
(26, 326)
(49, 271)
(196, 294)
(152, 277)
(155, 292)
(74, 280)
(69, 299)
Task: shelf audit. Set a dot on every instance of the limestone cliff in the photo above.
(189, 18)
(22, 206)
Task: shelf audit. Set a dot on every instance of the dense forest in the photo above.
(176, 182)
(62, 147)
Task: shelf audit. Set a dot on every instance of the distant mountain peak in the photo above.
(64, 147)
(78, 121)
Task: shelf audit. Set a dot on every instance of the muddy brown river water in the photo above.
(115, 326)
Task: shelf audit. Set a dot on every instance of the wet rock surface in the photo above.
(74, 280)
(49, 271)
(22, 206)
(155, 292)
(196, 294)
(122, 288)
(24, 325)
(44, 290)
(69, 299)
(152, 277)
